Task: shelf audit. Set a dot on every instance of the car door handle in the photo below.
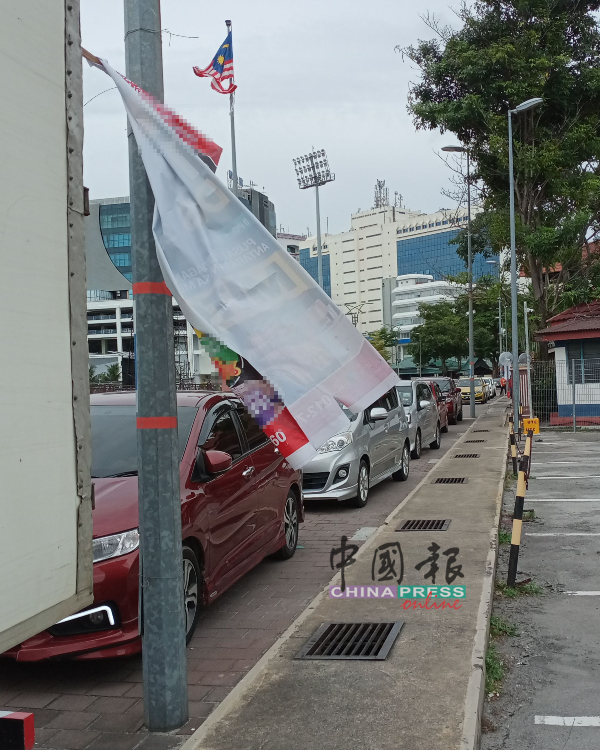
(248, 472)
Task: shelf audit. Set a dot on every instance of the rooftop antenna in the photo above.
(397, 200)
(382, 194)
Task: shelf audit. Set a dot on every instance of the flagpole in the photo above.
(232, 116)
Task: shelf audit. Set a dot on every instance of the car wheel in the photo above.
(402, 474)
(192, 589)
(438, 438)
(290, 525)
(453, 419)
(460, 414)
(416, 453)
(363, 486)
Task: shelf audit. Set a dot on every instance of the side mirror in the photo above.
(424, 404)
(217, 461)
(378, 414)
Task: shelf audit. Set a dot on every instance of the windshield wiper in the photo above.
(132, 473)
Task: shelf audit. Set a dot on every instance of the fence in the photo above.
(181, 386)
(566, 392)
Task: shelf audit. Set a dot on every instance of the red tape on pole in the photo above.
(156, 423)
(150, 287)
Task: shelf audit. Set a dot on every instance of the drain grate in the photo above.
(351, 640)
(466, 455)
(450, 480)
(475, 441)
(425, 525)
(480, 430)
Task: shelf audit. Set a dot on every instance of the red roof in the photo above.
(578, 322)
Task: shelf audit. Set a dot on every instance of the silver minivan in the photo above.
(375, 447)
(421, 411)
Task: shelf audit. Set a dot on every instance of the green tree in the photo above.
(112, 374)
(384, 339)
(93, 377)
(506, 52)
(442, 335)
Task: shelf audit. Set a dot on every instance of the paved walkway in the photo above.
(427, 693)
(552, 667)
(97, 705)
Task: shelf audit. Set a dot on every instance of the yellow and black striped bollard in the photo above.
(513, 447)
(517, 526)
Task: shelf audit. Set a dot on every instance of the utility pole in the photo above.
(161, 579)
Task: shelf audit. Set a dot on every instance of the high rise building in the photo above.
(381, 244)
(258, 204)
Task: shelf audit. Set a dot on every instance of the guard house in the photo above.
(576, 336)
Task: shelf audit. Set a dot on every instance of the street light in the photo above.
(523, 107)
(497, 263)
(312, 170)
(463, 150)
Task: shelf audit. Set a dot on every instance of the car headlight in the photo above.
(336, 443)
(115, 545)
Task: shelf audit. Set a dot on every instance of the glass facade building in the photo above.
(311, 265)
(115, 227)
(433, 254)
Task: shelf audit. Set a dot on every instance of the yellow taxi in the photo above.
(480, 391)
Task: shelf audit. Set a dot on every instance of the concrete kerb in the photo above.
(475, 691)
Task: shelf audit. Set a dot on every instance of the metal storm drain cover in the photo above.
(480, 430)
(425, 525)
(450, 480)
(351, 640)
(466, 455)
(475, 441)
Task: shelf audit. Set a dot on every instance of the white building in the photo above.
(413, 290)
(356, 262)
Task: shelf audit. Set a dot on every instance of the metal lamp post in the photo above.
(497, 263)
(462, 150)
(312, 170)
(523, 107)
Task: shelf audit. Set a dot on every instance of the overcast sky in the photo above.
(320, 73)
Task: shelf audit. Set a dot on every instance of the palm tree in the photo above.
(112, 374)
(93, 377)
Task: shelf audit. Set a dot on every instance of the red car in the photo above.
(440, 399)
(240, 501)
(453, 396)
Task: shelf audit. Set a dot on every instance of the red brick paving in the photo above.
(98, 705)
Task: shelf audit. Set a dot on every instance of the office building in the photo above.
(110, 304)
(258, 204)
(381, 244)
(291, 243)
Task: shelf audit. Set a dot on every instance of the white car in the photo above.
(421, 410)
(491, 388)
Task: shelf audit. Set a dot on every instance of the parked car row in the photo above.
(240, 499)
(485, 389)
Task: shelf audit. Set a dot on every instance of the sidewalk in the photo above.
(551, 667)
(97, 705)
(428, 693)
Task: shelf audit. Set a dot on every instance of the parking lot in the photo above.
(98, 704)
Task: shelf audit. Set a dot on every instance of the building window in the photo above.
(121, 259)
(412, 229)
(117, 240)
(445, 221)
(438, 223)
(112, 221)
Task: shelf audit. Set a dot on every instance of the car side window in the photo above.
(254, 435)
(392, 399)
(223, 436)
(426, 393)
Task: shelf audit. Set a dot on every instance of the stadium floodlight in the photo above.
(314, 172)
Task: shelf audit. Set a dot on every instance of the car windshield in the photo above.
(465, 382)
(406, 394)
(444, 385)
(350, 414)
(114, 438)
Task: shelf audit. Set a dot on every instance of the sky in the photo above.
(316, 73)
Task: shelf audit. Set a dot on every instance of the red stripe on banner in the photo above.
(285, 433)
(156, 423)
(150, 287)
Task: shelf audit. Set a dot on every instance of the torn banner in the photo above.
(234, 281)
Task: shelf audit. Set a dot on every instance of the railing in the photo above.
(566, 393)
(182, 386)
(96, 331)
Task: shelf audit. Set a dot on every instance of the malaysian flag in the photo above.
(220, 69)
